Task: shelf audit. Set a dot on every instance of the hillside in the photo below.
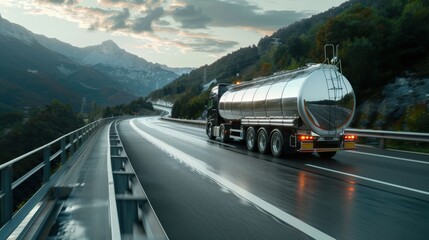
(380, 42)
(31, 75)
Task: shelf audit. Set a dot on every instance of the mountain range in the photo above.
(35, 69)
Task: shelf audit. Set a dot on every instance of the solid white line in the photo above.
(179, 135)
(384, 156)
(203, 169)
(370, 179)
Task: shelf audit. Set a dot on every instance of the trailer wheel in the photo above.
(209, 131)
(251, 139)
(263, 141)
(326, 155)
(277, 143)
(224, 136)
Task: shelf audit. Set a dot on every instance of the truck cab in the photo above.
(213, 117)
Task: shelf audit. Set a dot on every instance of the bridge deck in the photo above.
(85, 213)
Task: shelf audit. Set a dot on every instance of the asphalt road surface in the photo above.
(202, 189)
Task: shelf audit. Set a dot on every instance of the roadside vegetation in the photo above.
(23, 132)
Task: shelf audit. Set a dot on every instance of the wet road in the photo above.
(206, 190)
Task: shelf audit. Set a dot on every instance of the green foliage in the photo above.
(8, 120)
(417, 118)
(190, 107)
(45, 125)
(139, 106)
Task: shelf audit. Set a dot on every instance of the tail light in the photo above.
(304, 138)
(350, 138)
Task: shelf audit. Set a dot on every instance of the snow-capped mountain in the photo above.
(136, 74)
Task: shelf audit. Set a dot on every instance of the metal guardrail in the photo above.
(382, 135)
(406, 136)
(57, 152)
(128, 203)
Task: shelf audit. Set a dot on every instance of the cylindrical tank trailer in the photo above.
(319, 94)
(304, 110)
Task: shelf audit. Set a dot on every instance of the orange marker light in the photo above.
(350, 137)
(306, 138)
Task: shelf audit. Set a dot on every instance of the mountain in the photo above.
(136, 74)
(32, 75)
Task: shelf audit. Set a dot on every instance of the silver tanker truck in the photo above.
(299, 111)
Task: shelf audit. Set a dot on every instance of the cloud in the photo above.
(209, 45)
(118, 21)
(191, 17)
(242, 14)
(187, 25)
(59, 2)
(144, 24)
(113, 2)
(139, 4)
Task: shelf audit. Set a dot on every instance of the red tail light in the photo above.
(306, 138)
(350, 137)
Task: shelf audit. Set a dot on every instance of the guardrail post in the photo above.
(85, 134)
(77, 134)
(382, 144)
(80, 137)
(71, 139)
(6, 201)
(63, 151)
(47, 164)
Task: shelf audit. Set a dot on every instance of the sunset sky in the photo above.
(178, 33)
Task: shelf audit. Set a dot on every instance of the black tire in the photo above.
(209, 131)
(263, 141)
(251, 139)
(326, 155)
(277, 143)
(224, 136)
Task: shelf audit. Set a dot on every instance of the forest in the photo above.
(380, 41)
(22, 133)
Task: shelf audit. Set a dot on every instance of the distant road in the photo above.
(163, 108)
(202, 189)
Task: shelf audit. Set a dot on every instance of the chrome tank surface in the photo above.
(319, 94)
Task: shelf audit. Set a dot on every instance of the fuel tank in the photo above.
(317, 94)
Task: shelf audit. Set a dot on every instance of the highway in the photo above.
(203, 189)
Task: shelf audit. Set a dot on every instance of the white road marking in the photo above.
(370, 179)
(181, 135)
(203, 169)
(384, 156)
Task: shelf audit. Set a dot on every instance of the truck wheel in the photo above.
(263, 141)
(251, 139)
(277, 143)
(224, 136)
(326, 155)
(209, 131)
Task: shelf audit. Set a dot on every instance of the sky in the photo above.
(177, 33)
